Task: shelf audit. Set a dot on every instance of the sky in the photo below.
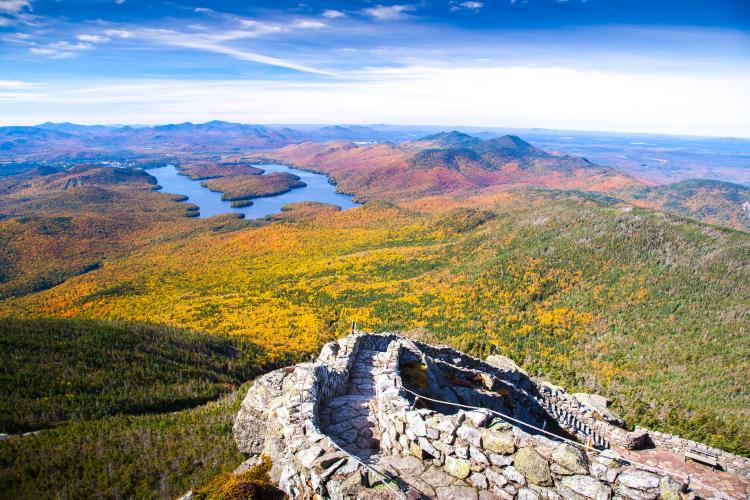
(656, 66)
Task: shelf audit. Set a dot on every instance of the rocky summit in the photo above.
(383, 416)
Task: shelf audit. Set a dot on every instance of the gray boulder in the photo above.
(515, 372)
(600, 406)
(639, 480)
(571, 459)
(585, 487)
(250, 425)
(534, 466)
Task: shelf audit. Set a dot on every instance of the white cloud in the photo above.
(333, 14)
(308, 24)
(14, 6)
(388, 12)
(64, 50)
(118, 33)
(119, 2)
(255, 28)
(704, 104)
(203, 10)
(203, 40)
(60, 50)
(18, 38)
(16, 85)
(219, 41)
(466, 5)
(4, 21)
(92, 38)
(214, 43)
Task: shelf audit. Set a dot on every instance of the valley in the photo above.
(580, 272)
(117, 409)
(424, 250)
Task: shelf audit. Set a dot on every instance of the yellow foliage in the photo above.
(254, 484)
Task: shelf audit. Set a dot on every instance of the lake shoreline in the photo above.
(316, 187)
(271, 161)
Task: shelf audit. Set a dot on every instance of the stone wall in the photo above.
(588, 422)
(279, 418)
(584, 416)
(496, 456)
(729, 462)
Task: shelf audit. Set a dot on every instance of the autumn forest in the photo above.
(583, 274)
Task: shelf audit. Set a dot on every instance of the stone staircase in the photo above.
(353, 398)
(350, 419)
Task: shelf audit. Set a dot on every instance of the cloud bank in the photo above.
(499, 96)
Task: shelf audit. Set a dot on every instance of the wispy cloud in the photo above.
(118, 33)
(252, 29)
(84, 41)
(333, 14)
(14, 12)
(60, 50)
(309, 24)
(17, 85)
(466, 5)
(389, 12)
(216, 43)
(92, 38)
(224, 41)
(14, 6)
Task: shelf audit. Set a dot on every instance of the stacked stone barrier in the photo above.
(279, 418)
(729, 462)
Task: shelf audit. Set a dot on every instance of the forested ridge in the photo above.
(127, 325)
(577, 290)
(56, 370)
(118, 409)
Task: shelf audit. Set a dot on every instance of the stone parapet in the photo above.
(478, 449)
(729, 462)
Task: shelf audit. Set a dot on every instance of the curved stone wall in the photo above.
(469, 453)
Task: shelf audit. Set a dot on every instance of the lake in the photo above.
(318, 189)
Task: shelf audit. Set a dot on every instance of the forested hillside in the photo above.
(715, 202)
(458, 164)
(56, 370)
(589, 292)
(492, 246)
(61, 224)
(147, 456)
(116, 407)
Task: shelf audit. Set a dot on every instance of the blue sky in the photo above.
(642, 66)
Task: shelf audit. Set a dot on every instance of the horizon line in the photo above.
(406, 126)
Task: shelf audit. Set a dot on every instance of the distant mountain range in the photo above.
(52, 140)
(451, 163)
(658, 159)
(380, 162)
(458, 164)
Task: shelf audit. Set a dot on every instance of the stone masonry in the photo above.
(350, 426)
